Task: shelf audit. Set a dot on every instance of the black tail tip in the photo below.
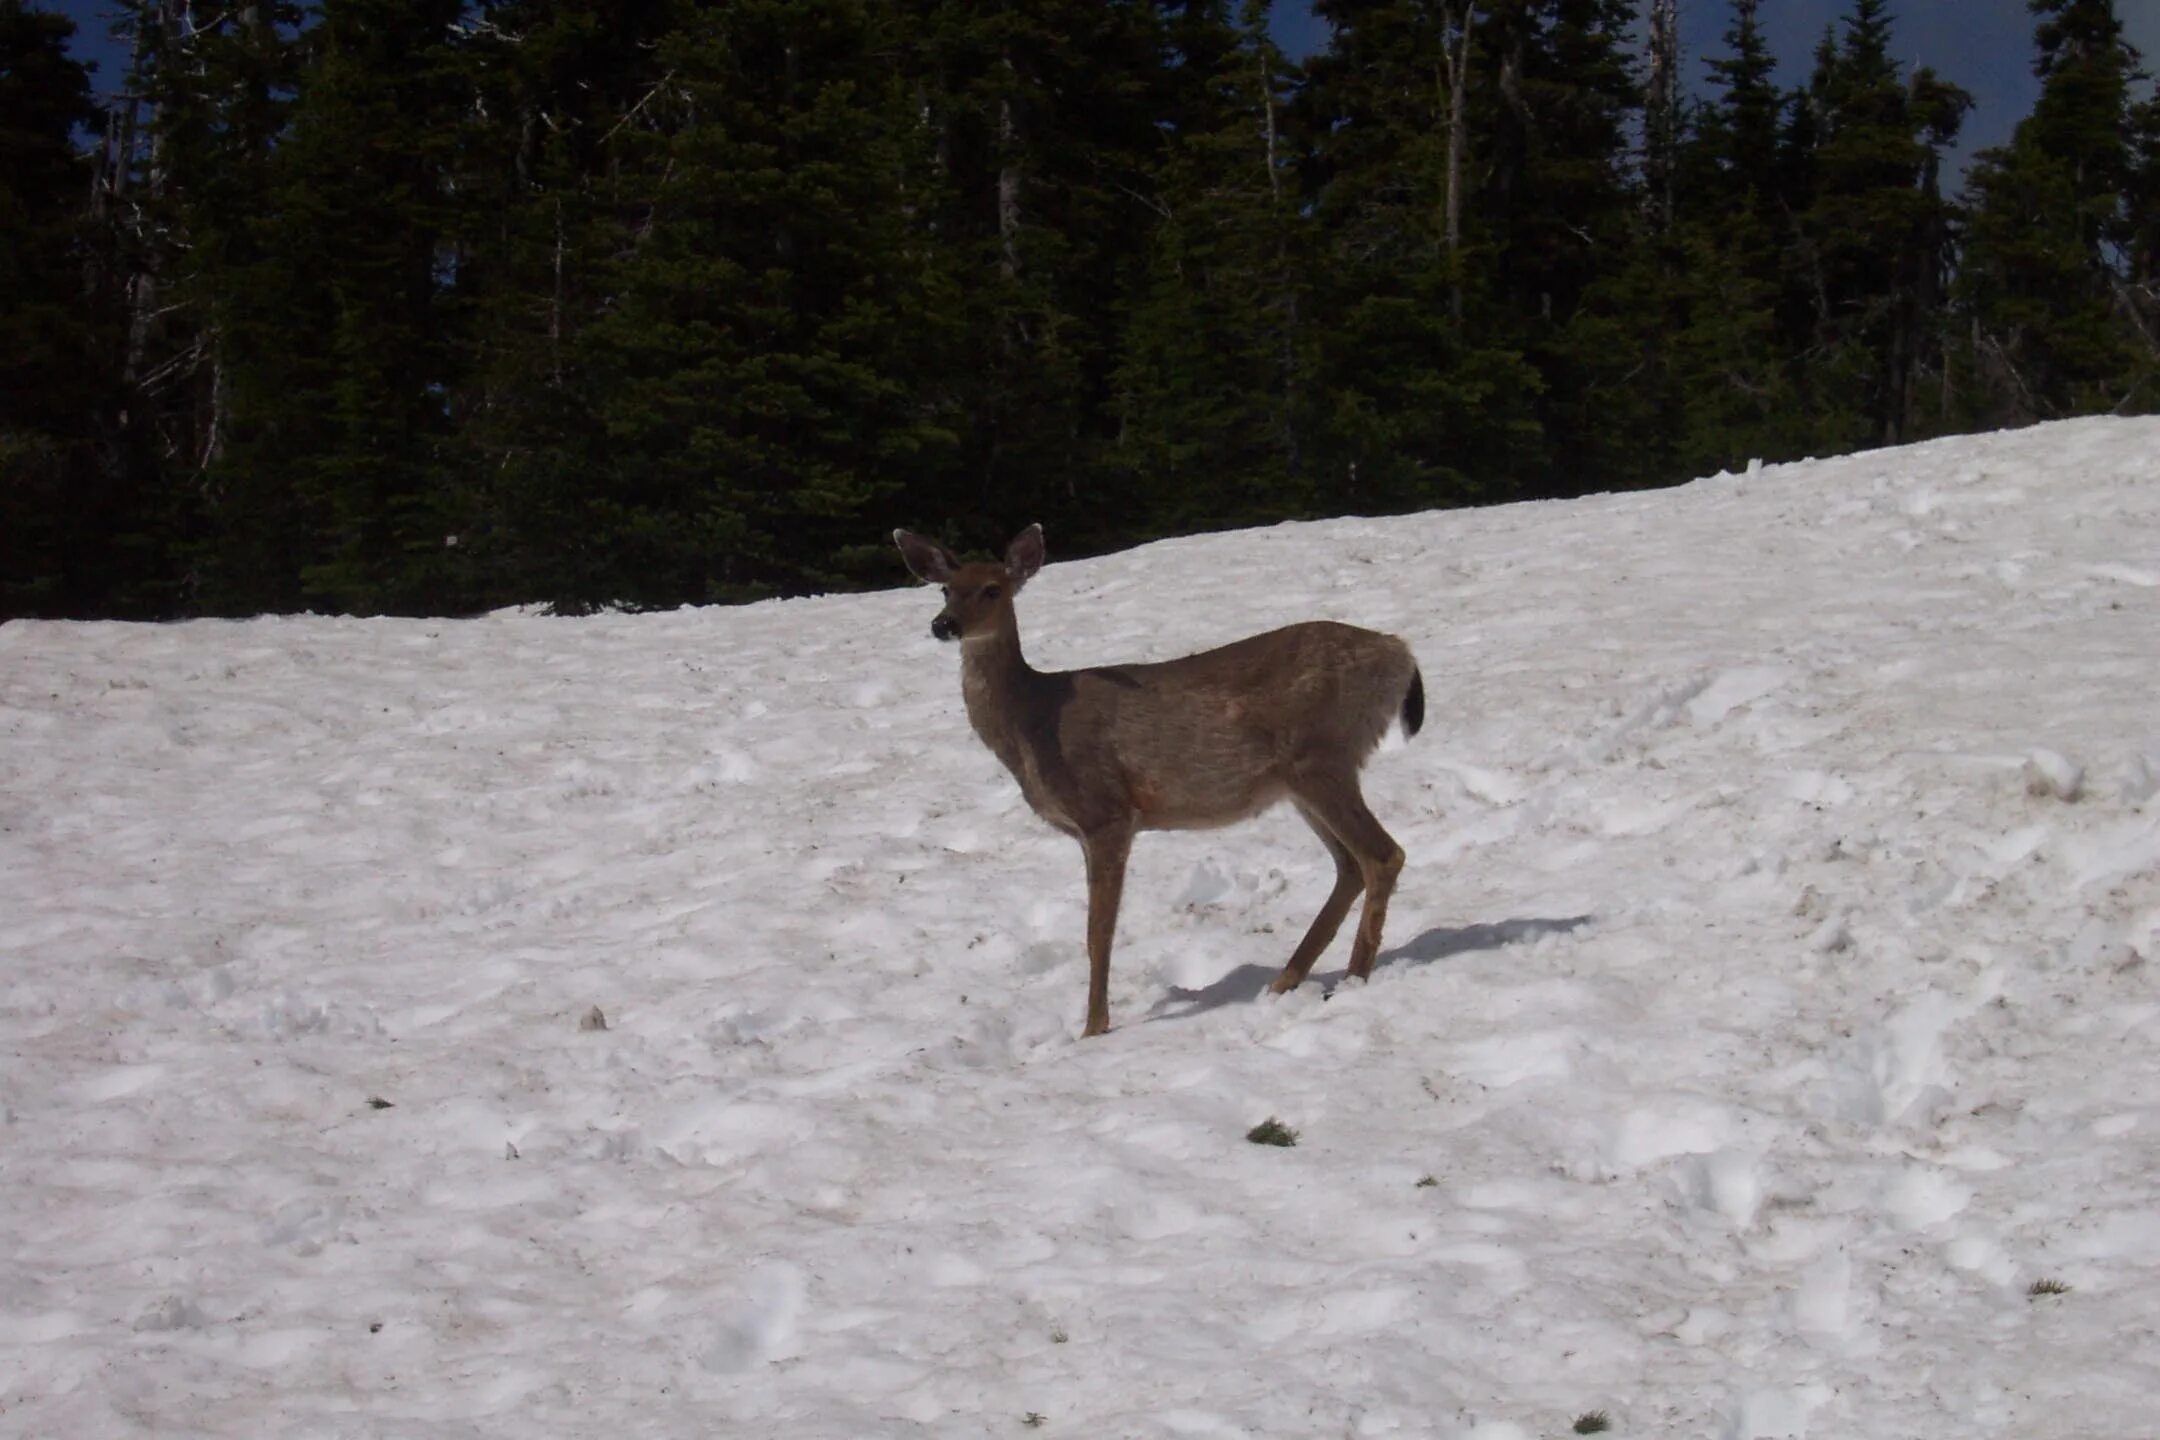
(1413, 704)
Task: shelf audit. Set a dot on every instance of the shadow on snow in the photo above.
(1248, 982)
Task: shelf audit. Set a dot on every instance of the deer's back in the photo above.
(1211, 738)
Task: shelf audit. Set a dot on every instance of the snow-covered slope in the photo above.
(1770, 1002)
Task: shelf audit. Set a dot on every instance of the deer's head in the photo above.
(978, 595)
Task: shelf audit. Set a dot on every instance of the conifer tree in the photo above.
(2057, 324)
(2141, 225)
(1212, 370)
(184, 184)
(1873, 240)
(1738, 130)
(1047, 123)
(1420, 394)
(756, 382)
(568, 100)
(327, 474)
(1569, 214)
(56, 514)
(1730, 367)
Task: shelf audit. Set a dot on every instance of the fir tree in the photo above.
(1729, 364)
(568, 97)
(2141, 221)
(1047, 123)
(1739, 128)
(327, 474)
(1419, 396)
(1213, 366)
(2057, 325)
(56, 515)
(757, 382)
(1874, 237)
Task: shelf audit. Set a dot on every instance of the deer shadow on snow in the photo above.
(1249, 982)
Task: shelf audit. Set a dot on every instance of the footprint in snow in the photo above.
(757, 1324)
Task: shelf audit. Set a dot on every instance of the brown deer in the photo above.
(1188, 744)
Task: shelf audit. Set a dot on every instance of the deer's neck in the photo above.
(997, 683)
(1011, 706)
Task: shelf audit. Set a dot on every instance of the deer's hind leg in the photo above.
(1349, 880)
(1331, 797)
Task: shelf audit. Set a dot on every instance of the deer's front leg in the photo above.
(1106, 849)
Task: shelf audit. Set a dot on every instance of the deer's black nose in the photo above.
(944, 629)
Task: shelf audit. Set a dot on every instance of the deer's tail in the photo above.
(1413, 704)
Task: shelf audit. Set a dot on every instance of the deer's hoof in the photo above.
(1094, 1028)
(1284, 984)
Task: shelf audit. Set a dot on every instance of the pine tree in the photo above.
(1873, 240)
(2141, 224)
(1048, 124)
(1419, 395)
(1727, 362)
(566, 96)
(326, 474)
(1569, 217)
(1212, 372)
(758, 381)
(1739, 129)
(56, 514)
(2047, 282)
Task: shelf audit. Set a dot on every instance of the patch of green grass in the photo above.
(1271, 1132)
(2047, 1287)
(1592, 1422)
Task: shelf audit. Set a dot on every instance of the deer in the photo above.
(1195, 743)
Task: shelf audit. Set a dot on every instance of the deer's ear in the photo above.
(1025, 555)
(925, 561)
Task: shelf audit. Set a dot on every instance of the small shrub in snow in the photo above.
(1271, 1132)
(1592, 1422)
(2039, 1288)
(1033, 1419)
(1426, 1182)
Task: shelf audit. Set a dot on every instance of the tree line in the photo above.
(430, 306)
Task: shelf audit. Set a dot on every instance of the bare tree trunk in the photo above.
(116, 156)
(1009, 179)
(1456, 63)
(214, 442)
(143, 285)
(1264, 54)
(555, 307)
(1661, 120)
(1008, 191)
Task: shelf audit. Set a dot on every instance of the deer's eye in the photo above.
(991, 592)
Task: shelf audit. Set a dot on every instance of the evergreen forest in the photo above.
(434, 306)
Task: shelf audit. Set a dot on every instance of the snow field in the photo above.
(1768, 1004)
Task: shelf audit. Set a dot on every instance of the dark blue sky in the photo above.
(1983, 45)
